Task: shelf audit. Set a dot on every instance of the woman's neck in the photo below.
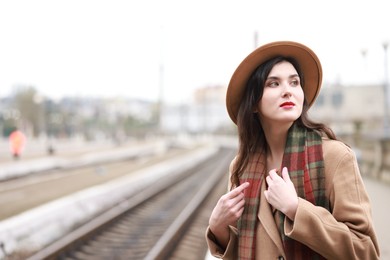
(276, 139)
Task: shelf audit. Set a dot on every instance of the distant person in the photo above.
(50, 146)
(295, 191)
(17, 141)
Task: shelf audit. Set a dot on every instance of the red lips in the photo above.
(287, 104)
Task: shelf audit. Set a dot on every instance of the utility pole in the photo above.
(160, 102)
(256, 39)
(386, 123)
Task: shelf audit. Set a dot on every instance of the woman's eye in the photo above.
(272, 84)
(295, 82)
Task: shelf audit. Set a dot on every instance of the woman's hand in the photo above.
(281, 193)
(227, 211)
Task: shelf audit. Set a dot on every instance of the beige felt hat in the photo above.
(307, 59)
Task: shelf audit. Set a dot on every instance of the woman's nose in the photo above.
(286, 91)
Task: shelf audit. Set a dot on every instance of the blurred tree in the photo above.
(7, 125)
(138, 128)
(29, 103)
(8, 121)
(73, 117)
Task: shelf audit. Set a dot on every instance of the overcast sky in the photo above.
(115, 48)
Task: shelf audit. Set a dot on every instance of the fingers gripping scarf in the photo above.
(304, 161)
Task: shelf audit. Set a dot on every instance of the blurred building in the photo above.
(348, 107)
(120, 107)
(205, 113)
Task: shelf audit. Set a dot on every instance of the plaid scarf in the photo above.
(304, 161)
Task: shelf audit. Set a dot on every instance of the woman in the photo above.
(295, 191)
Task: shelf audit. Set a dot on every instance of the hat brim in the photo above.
(307, 59)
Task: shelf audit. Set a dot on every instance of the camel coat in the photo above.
(344, 233)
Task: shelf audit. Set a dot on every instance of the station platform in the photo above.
(73, 154)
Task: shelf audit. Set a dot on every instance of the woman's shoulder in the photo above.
(335, 148)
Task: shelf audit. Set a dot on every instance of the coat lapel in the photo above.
(267, 220)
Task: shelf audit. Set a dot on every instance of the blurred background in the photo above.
(78, 77)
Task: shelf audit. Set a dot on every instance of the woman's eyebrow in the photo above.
(276, 77)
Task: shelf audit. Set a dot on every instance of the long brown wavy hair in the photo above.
(250, 131)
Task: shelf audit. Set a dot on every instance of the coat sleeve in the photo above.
(230, 252)
(347, 231)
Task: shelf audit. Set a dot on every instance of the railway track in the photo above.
(165, 221)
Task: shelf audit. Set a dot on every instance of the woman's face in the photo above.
(282, 100)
